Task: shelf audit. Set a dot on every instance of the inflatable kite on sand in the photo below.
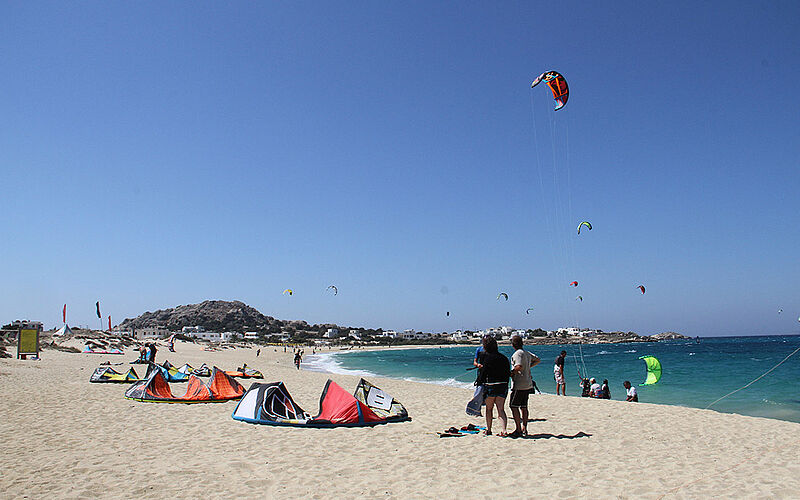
(155, 389)
(271, 404)
(104, 375)
(246, 372)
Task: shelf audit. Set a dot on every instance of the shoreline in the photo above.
(336, 369)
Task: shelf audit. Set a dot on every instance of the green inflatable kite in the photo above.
(653, 369)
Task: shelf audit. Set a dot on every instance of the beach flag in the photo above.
(64, 314)
(97, 304)
(109, 323)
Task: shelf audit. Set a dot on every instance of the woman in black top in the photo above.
(495, 370)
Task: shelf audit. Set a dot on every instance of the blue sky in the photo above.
(158, 154)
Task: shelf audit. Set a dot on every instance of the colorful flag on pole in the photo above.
(64, 314)
(98, 309)
(109, 323)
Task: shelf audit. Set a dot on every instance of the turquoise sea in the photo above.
(694, 374)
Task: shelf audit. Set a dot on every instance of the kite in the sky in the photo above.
(574, 283)
(557, 83)
(584, 223)
(528, 310)
(289, 291)
(335, 290)
(779, 311)
(448, 314)
(502, 294)
(579, 297)
(641, 287)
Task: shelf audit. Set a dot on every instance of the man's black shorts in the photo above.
(519, 398)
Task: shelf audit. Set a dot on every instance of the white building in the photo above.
(192, 329)
(459, 336)
(388, 334)
(250, 335)
(521, 333)
(212, 336)
(332, 333)
(151, 332)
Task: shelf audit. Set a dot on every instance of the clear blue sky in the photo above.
(154, 154)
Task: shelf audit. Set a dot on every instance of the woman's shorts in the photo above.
(497, 391)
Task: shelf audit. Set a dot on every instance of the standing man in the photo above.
(297, 359)
(521, 385)
(632, 396)
(558, 374)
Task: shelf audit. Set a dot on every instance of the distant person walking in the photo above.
(496, 372)
(632, 395)
(258, 351)
(558, 374)
(521, 385)
(298, 358)
(151, 352)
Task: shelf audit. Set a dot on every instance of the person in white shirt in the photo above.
(632, 396)
(521, 385)
(594, 389)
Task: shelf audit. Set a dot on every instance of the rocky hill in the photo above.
(213, 315)
(669, 336)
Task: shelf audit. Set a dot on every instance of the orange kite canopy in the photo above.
(155, 389)
(557, 83)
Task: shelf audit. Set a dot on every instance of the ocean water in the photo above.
(694, 374)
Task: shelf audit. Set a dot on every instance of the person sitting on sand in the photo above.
(521, 385)
(632, 396)
(585, 385)
(605, 392)
(496, 372)
(594, 388)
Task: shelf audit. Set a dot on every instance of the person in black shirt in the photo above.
(496, 370)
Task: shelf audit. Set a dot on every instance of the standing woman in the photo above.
(496, 371)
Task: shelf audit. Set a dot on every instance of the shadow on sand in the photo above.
(555, 436)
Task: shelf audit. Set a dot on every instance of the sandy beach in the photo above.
(66, 438)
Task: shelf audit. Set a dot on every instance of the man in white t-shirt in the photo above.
(632, 396)
(594, 388)
(521, 385)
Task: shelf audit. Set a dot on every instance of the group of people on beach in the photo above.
(494, 372)
(147, 353)
(492, 384)
(589, 386)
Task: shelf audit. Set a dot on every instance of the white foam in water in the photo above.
(604, 352)
(450, 382)
(327, 363)
(632, 350)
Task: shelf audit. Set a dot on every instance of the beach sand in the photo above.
(63, 437)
